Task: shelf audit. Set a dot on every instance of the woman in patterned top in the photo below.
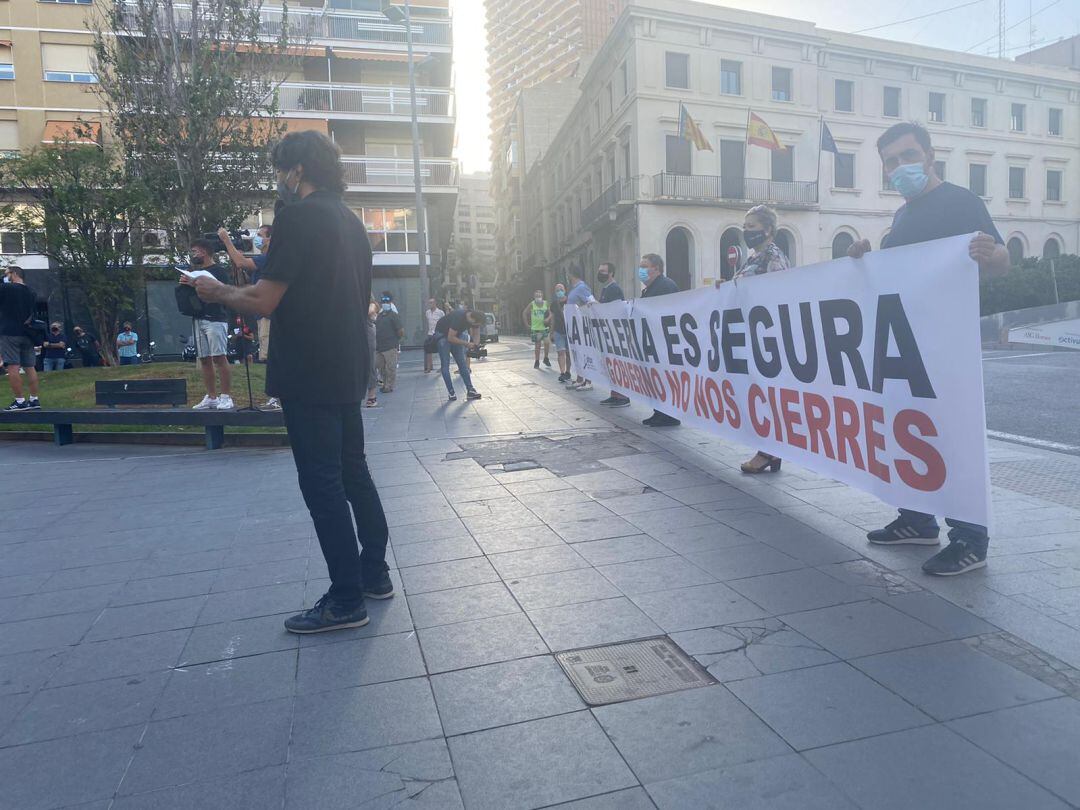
(759, 231)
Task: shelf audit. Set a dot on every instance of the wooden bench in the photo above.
(141, 392)
(213, 421)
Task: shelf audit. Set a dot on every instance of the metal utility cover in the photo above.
(634, 669)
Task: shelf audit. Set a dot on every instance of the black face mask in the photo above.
(754, 239)
(604, 278)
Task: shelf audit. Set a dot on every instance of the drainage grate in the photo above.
(634, 669)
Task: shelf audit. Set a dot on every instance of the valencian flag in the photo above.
(827, 142)
(689, 131)
(758, 133)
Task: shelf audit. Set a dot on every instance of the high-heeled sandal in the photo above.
(764, 463)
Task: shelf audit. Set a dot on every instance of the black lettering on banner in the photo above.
(667, 326)
(648, 345)
(908, 365)
(620, 338)
(770, 367)
(803, 372)
(631, 331)
(693, 349)
(575, 335)
(839, 346)
(729, 340)
(609, 343)
(714, 341)
(586, 335)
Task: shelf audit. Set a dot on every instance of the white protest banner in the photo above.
(868, 371)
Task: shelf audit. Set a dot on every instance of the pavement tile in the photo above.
(824, 705)
(640, 502)
(154, 617)
(671, 520)
(157, 589)
(685, 732)
(475, 643)
(792, 591)
(434, 551)
(949, 772)
(658, 574)
(219, 642)
(27, 671)
(534, 561)
(415, 775)
(778, 783)
(698, 606)
(92, 766)
(952, 680)
(200, 747)
(231, 682)
(580, 531)
(461, 604)
(167, 564)
(539, 763)
(274, 572)
(517, 538)
(359, 662)
(360, 717)
(862, 628)
(590, 623)
(563, 588)
(494, 524)
(751, 648)
(1040, 740)
(502, 694)
(538, 485)
(23, 584)
(446, 575)
(440, 530)
(629, 799)
(750, 560)
(45, 633)
(419, 515)
(41, 605)
(706, 494)
(698, 539)
(254, 790)
(622, 549)
(249, 603)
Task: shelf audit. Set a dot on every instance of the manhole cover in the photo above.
(631, 670)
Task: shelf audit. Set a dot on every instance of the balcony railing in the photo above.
(620, 190)
(738, 189)
(373, 171)
(317, 24)
(363, 99)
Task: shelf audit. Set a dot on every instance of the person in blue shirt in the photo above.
(579, 295)
(127, 346)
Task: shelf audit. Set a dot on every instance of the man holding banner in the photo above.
(934, 209)
(651, 274)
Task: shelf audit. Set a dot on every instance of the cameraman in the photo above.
(449, 331)
(212, 335)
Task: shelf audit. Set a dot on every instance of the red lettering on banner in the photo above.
(658, 385)
(818, 419)
(873, 415)
(676, 389)
(763, 427)
(733, 416)
(847, 431)
(775, 415)
(788, 397)
(934, 477)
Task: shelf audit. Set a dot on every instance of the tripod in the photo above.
(240, 344)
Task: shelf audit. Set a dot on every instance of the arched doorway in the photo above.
(786, 242)
(840, 244)
(732, 237)
(1015, 247)
(678, 257)
(1052, 248)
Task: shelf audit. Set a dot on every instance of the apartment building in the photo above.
(352, 84)
(617, 181)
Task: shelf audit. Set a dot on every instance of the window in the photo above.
(610, 99)
(978, 112)
(1053, 124)
(730, 77)
(1016, 182)
(840, 244)
(783, 164)
(11, 242)
(937, 108)
(67, 63)
(598, 114)
(678, 155)
(939, 169)
(677, 70)
(392, 230)
(844, 171)
(844, 96)
(485, 227)
(890, 102)
(781, 84)
(463, 210)
(977, 179)
(1016, 121)
(69, 2)
(485, 211)
(1053, 185)
(7, 71)
(464, 227)
(1015, 246)
(1052, 248)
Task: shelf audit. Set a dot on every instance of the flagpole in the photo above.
(745, 150)
(820, 135)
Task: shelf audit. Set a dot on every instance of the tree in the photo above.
(190, 93)
(91, 214)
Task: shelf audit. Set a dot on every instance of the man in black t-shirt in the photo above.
(934, 209)
(317, 284)
(17, 302)
(88, 347)
(651, 275)
(453, 332)
(611, 291)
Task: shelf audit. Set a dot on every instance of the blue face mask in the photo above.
(909, 179)
(560, 294)
(257, 242)
(643, 274)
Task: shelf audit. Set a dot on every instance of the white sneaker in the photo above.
(225, 403)
(585, 386)
(206, 404)
(272, 404)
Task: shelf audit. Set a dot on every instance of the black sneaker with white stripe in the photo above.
(960, 556)
(901, 533)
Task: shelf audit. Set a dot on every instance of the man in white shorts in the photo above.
(211, 336)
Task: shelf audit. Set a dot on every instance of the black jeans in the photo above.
(328, 448)
(969, 531)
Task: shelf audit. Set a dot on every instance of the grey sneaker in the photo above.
(327, 615)
(378, 586)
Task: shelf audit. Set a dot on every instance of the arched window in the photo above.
(1016, 250)
(731, 238)
(1052, 248)
(679, 252)
(786, 242)
(840, 244)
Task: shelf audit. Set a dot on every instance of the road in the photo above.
(1034, 394)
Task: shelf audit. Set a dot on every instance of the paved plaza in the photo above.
(143, 663)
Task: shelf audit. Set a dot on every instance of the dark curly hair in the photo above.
(320, 157)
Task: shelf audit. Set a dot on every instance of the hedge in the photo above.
(1030, 285)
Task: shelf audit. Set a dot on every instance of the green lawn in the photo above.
(75, 389)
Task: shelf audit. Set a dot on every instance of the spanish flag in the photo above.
(689, 131)
(758, 133)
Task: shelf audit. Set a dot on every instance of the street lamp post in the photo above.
(395, 15)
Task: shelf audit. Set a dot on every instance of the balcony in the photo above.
(319, 25)
(364, 102)
(734, 189)
(619, 191)
(438, 175)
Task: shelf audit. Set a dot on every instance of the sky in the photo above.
(959, 29)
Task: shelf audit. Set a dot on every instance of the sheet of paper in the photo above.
(197, 273)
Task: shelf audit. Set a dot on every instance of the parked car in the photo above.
(489, 332)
